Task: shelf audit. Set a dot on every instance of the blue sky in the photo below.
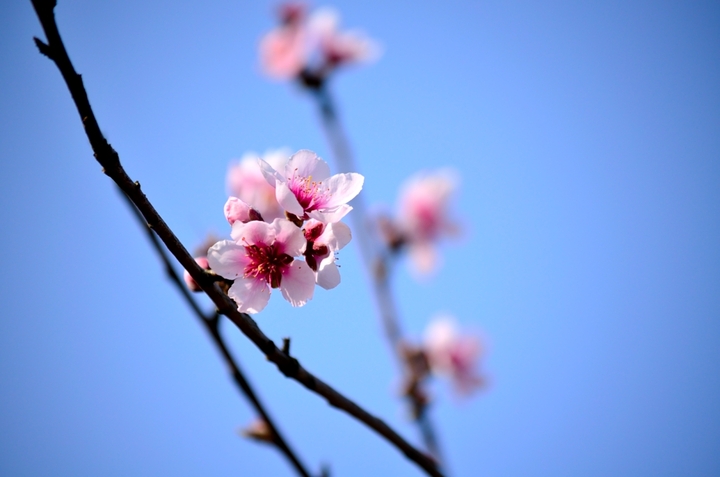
(587, 138)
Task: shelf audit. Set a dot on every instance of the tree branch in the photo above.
(109, 160)
(211, 325)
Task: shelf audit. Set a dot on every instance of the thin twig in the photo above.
(109, 160)
(210, 323)
(377, 261)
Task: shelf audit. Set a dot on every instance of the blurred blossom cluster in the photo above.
(268, 252)
(422, 218)
(310, 46)
(246, 181)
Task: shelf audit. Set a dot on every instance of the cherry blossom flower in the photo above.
(311, 47)
(245, 181)
(190, 281)
(452, 354)
(305, 188)
(423, 218)
(322, 243)
(260, 257)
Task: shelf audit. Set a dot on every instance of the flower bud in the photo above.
(189, 281)
(237, 210)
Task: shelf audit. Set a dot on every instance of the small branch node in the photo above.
(286, 346)
(44, 48)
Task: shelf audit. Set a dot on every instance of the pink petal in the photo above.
(289, 237)
(282, 52)
(228, 259)
(250, 294)
(236, 210)
(306, 163)
(190, 281)
(287, 199)
(252, 233)
(298, 283)
(343, 188)
(328, 275)
(423, 257)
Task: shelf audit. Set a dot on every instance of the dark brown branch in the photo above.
(109, 160)
(211, 325)
(377, 261)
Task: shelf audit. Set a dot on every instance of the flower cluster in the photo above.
(267, 249)
(311, 46)
(422, 217)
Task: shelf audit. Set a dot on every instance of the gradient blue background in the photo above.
(587, 135)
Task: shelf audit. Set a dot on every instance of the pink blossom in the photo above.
(260, 257)
(454, 355)
(245, 181)
(322, 243)
(311, 46)
(237, 210)
(306, 189)
(190, 281)
(339, 47)
(423, 215)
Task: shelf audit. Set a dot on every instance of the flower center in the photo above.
(310, 194)
(266, 263)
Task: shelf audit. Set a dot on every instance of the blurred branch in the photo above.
(110, 161)
(378, 265)
(211, 325)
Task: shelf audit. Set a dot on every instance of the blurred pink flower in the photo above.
(323, 241)
(339, 47)
(189, 281)
(423, 218)
(260, 257)
(453, 355)
(283, 51)
(311, 46)
(306, 189)
(245, 181)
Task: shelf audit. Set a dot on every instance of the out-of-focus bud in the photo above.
(258, 430)
(189, 281)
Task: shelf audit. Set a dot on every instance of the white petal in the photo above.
(228, 259)
(335, 236)
(250, 294)
(328, 275)
(305, 163)
(331, 216)
(287, 199)
(343, 188)
(269, 173)
(298, 283)
(289, 237)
